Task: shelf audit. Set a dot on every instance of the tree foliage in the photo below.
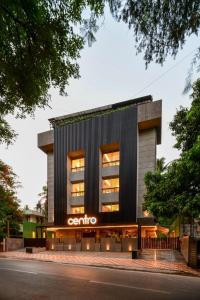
(186, 123)
(9, 203)
(42, 204)
(160, 27)
(39, 48)
(41, 42)
(176, 191)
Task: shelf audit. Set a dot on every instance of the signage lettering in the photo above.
(82, 221)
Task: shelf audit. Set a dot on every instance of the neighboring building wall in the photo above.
(185, 247)
(146, 162)
(29, 229)
(14, 244)
(50, 183)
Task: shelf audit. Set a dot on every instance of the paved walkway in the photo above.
(164, 261)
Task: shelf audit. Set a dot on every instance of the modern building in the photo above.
(96, 162)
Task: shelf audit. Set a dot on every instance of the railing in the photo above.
(110, 190)
(160, 243)
(78, 169)
(78, 194)
(110, 163)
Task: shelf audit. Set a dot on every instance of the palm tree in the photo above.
(43, 201)
(160, 165)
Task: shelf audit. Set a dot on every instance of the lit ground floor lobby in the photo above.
(100, 238)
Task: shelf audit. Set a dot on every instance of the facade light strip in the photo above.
(98, 227)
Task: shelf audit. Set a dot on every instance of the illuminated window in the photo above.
(110, 159)
(110, 185)
(78, 189)
(110, 207)
(78, 164)
(77, 210)
(33, 234)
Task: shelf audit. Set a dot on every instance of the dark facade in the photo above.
(118, 127)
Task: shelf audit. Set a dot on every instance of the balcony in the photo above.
(110, 163)
(77, 194)
(110, 169)
(77, 198)
(110, 195)
(77, 175)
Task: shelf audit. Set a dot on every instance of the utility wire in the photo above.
(167, 71)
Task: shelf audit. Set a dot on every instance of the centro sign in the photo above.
(82, 221)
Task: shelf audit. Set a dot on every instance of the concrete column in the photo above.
(146, 162)
(50, 184)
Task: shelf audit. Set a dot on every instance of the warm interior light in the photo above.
(110, 185)
(78, 163)
(107, 247)
(77, 188)
(108, 182)
(88, 247)
(52, 247)
(129, 248)
(33, 234)
(106, 157)
(77, 210)
(111, 157)
(146, 213)
(110, 207)
(69, 247)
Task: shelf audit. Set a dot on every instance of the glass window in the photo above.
(110, 159)
(77, 210)
(110, 207)
(78, 164)
(77, 189)
(110, 185)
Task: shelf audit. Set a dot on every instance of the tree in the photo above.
(186, 123)
(26, 207)
(160, 165)
(160, 27)
(39, 47)
(9, 203)
(175, 193)
(41, 42)
(42, 204)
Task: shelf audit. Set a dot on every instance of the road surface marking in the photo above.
(130, 287)
(14, 270)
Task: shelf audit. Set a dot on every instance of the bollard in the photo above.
(134, 254)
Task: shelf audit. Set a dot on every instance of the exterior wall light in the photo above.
(129, 248)
(146, 213)
(70, 247)
(107, 247)
(87, 247)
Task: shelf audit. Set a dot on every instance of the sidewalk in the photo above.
(161, 261)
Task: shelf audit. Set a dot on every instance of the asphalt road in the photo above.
(40, 280)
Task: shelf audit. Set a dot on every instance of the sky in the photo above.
(110, 72)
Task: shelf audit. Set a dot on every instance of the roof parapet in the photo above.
(87, 114)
